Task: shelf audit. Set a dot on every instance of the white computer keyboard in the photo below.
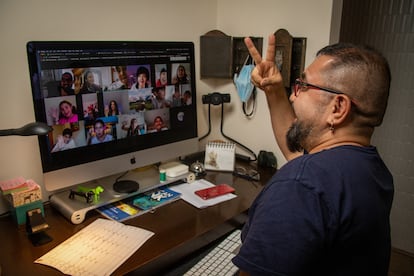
(218, 260)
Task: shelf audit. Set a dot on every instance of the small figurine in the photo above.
(87, 193)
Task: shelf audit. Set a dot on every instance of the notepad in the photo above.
(98, 249)
(220, 156)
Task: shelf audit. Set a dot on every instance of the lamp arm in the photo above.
(36, 128)
(7, 132)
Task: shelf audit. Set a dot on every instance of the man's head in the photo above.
(362, 73)
(66, 80)
(67, 135)
(142, 76)
(159, 93)
(122, 74)
(66, 83)
(342, 94)
(163, 76)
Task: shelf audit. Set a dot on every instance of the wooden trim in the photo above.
(401, 263)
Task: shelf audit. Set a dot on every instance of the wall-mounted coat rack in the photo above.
(289, 56)
(221, 55)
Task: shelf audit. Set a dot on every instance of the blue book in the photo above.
(139, 204)
(155, 198)
(119, 211)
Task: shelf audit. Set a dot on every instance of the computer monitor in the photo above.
(113, 106)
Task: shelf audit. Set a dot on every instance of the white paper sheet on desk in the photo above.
(187, 193)
(98, 249)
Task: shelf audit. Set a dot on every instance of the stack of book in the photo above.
(139, 204)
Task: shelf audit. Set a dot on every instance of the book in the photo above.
(155, 198)
(138, 204)
(118, 211)
(220, 156)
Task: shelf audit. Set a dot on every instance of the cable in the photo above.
(231, 139)
(209, 125)
(222, 132)
(122, 175)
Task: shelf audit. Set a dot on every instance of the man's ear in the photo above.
(340, 109)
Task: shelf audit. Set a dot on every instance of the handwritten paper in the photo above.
(98, 249)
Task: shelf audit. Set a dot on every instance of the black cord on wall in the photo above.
(224, 135)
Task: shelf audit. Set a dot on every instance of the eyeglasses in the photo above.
(301, 86)
(249, 174)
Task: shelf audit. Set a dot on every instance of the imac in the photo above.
(113, 106)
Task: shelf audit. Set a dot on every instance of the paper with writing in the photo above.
(98, 249)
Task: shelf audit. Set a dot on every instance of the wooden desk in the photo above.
(179, 228)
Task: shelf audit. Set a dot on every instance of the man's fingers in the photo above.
(252, 50)
(270, 54)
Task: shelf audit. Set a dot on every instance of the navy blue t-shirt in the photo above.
(322, 214)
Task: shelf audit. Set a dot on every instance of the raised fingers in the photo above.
(270, 53)
(252, 50)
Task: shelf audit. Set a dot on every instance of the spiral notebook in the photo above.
(220, 156)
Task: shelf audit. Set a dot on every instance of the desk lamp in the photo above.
(35, 223)
(36, 128)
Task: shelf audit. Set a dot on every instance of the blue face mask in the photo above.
(243, 82)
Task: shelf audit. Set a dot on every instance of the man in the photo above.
(64, 141)
(121, 81)
(159, 101)
(65, 86)
(326, 211)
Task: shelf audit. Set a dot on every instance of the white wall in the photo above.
(25, 20)
(239, 18)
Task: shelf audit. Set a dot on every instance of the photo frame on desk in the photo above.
(220, 156)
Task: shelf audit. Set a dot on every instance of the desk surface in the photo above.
(179, 228)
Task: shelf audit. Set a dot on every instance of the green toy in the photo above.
(88, 193)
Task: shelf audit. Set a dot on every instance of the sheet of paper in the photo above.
(98, 249)
(187, 193)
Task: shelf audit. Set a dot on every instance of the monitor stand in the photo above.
(76, 208)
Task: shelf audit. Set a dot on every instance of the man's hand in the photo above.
(265, 75)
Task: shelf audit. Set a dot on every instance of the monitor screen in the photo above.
(113, 106)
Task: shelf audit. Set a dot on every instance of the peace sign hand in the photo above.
(265, 75)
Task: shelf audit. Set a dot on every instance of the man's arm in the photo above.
(267, 77)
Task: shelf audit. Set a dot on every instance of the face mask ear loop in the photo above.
(244, 105)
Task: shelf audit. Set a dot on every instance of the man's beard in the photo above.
(296, 136)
